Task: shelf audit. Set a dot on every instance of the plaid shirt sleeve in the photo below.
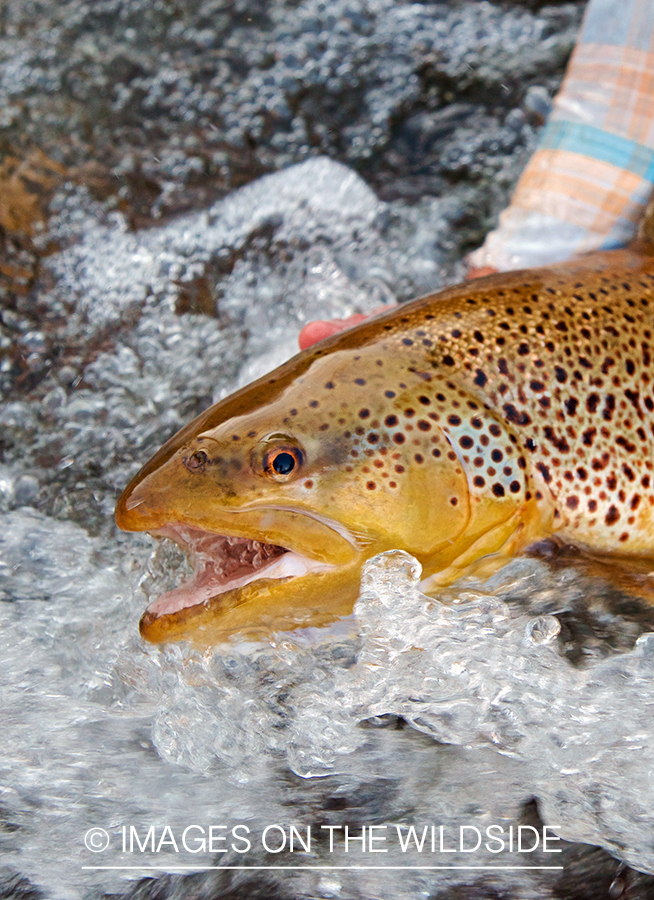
(587, 184)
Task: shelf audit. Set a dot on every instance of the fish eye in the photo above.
(280, 462)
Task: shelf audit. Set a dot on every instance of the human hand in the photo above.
(319, 329)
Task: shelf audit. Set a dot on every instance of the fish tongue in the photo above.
(205, 584)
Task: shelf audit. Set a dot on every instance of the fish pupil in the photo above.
(283, 463)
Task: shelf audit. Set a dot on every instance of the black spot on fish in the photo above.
(515, 416)
(612, 515)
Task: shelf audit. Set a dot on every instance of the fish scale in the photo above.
(460, 427)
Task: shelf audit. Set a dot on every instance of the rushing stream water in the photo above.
(521, 703)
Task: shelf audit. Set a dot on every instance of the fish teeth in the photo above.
(226, 555)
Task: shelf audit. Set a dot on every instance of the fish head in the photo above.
(280, 493)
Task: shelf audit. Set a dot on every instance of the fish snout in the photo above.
(135, 511)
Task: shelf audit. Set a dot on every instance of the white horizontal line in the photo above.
(173, 867)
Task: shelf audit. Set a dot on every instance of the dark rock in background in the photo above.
(159, 107)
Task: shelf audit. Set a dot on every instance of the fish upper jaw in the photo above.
(135, 511)
(156, 504)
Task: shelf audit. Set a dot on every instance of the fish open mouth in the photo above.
(222, 564)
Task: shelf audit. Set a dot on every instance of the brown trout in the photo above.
(460, 427)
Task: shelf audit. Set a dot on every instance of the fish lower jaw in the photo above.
(207, 584)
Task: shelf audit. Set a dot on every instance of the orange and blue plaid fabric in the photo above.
(588, 182)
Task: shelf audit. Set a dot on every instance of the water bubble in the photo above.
(543, 630)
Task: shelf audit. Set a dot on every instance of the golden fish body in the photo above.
(464, 425)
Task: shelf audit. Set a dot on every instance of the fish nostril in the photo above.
(196, 461)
